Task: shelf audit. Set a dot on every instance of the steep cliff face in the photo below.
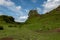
(33, 13)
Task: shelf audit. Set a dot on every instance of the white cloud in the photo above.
(16, 9)
(10, 4)
(38, 9)
(50, 5)
(22, 19)
(6, 3)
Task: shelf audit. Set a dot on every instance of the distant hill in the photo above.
(6, 19)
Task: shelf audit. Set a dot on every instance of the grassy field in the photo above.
(26, 34)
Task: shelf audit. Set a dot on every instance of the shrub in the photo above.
(48, 28)
(10, 26)
(1, 28)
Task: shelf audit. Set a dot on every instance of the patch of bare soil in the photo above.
(6, 38)
(55, 30)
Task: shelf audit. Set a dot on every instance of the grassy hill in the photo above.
(44, 22)
(37, 27)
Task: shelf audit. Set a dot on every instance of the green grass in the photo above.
(26, 34)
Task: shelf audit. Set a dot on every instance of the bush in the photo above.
(48, 28)
(12, 26)
(1, 28)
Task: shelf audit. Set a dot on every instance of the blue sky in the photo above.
(19, 9)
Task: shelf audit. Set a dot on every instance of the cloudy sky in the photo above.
(19, 9)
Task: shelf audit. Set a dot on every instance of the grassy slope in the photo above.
(27, 31)
(46, 21)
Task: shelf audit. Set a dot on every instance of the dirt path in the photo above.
(55, 30)
(6, 38)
